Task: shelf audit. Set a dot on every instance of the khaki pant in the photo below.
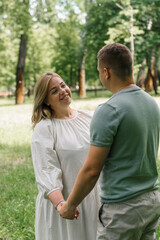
(134, 219)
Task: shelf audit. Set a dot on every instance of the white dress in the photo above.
(59, 149)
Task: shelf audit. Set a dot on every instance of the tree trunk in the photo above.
(29, 88)
(81, 69)
(152, 75)
(141, 75)
(158, 72)
(81, 77)
(148, 82)
(20, 70)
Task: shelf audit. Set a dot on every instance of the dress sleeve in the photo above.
(45, 161)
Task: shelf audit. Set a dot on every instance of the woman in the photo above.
(59, 146)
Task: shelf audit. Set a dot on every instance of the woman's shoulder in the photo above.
(43, 123)
(44, 126)
(86, 113)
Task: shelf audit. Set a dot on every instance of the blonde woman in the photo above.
(59, 147)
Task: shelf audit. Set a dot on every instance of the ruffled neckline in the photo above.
(67, 119)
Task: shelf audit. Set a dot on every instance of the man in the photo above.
(124, 138)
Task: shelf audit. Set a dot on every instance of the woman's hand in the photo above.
(67, 211)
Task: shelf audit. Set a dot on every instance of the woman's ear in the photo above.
(47, 103)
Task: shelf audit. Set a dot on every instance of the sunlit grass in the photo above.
(17, 181)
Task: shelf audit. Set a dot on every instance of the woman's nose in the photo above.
(62, 90)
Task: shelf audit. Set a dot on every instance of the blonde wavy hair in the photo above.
(40, 109)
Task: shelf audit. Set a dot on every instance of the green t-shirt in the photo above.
(129, 123)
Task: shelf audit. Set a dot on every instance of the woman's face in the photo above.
(59, 94)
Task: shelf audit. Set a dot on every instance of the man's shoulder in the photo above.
(105, 112)
(106, 106)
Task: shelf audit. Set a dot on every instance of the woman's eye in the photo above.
(63, 85)
(54, 91)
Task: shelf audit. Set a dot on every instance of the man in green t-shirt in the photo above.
(124, 141)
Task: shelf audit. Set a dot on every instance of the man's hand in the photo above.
(67, 211)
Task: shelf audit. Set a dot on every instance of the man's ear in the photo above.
(107, 72)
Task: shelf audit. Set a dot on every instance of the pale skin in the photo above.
(92, 167)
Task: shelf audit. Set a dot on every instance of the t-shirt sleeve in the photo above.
(104, 126)
(45, 160)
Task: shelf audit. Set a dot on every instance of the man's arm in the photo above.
(85, 181)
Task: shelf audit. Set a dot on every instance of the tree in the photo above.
(100, 13)
(20, 69)
(8, 50)
(148, 49)
(124, 29)
(66, 35)
(20, 14)
(8, 57)
(18, 18)
(66, 44)
(39, 54)
(40, 41)
(21, 19)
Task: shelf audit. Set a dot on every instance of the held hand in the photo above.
(68, 212)
(59, 206)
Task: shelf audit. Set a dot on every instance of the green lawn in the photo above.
(17, 181)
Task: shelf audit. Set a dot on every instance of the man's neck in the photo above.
(120, 85)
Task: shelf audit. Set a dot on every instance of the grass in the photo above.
(17, 202)
(17, 181)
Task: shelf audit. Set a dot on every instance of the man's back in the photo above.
(130, 123)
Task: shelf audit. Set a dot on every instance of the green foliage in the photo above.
(147, 18)
(16, 20)
(43, 11)
(8, 59)
(122, 27)
(67, 41)
(100, 13)
(39, 53)
(59, 31)
(144, 28)
(17, 16)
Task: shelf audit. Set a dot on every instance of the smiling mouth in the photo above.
(65, 97)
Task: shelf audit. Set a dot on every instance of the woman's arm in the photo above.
(56, 197)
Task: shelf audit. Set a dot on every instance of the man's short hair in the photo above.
(117, 57)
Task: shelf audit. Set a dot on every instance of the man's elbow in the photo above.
(92, 173)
